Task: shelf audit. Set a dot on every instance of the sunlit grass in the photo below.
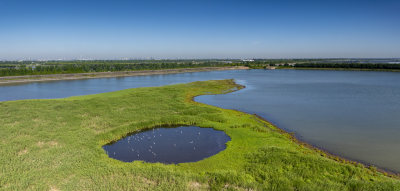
(57, 144)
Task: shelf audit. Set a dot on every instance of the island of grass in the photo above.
(57, 145)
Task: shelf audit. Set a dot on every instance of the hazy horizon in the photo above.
(190, 59)
(108, 30)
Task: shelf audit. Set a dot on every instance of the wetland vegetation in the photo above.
(57, 144)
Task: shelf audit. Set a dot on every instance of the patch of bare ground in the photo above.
(41, 144)
(53, 188)
(147, 181)
(197, 186)
(22, 152)
(230, 187)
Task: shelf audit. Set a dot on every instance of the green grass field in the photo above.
(57, 145)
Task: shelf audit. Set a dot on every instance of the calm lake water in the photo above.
(354, 114)
(169, 145)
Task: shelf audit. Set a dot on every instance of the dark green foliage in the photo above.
(53, 67)
(13, 68)
(349, 65)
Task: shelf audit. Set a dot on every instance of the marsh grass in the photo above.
(57, 145)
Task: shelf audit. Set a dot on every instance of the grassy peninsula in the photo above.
(57, 145)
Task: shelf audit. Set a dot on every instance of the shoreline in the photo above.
(7, 80)
(65, 137)
(342, 69)
(323, 152)
(10, 80)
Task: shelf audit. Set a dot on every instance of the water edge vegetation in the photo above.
(57, 144)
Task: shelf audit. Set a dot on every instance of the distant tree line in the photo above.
(349, 66)
(84, 67)
(14, 68)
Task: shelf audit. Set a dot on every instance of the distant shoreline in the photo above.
(77, 76)
(339, 69)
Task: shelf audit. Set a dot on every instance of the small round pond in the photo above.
(169, 145)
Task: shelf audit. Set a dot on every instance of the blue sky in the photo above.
(98, 29)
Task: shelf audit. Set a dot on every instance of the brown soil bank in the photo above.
(76, 76)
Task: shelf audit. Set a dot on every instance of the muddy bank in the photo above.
(76, 76)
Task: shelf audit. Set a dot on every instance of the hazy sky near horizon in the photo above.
(100, 29)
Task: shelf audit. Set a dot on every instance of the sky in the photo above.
(190, 29)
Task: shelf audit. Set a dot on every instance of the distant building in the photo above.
(227, 62)
(248, 60)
